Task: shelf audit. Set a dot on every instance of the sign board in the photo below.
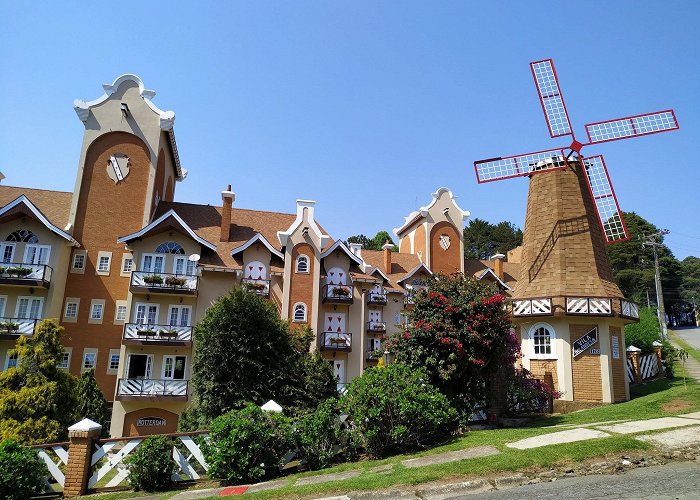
(585, 342)
(151, 422)
(615, 347)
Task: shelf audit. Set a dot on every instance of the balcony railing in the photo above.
(629, 309)
(376, 298)
(532, 307)
(152, 282)
(151, 388)
(591, 306)
(373, 355)
(409, 299)
(16, 273)
(376, 327)
(336, 341)
(139, 333)
(337, 294)
(257, 286)
(14, 327)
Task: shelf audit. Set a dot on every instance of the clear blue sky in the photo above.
(365, 106)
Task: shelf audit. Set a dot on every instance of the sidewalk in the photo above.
(690, 336)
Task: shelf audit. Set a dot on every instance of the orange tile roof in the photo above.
(511, 271)
(401, 264)
(55, 205)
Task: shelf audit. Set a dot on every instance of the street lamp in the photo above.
(388, 357)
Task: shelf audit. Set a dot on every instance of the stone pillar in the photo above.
(634, 354)
(81, 437)
(659, 359)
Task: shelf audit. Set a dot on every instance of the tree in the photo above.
(361, 239)
(246, 354)
(91, 402)
(375, 243)
(461, 335)
(482, 239)
(37, 399)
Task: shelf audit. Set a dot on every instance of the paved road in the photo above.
(690, 335)
(670, 481)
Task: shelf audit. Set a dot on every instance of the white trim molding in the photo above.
(488, 270)
(414, 271)
(340, 245)
(413, 217)
(41, 217)
(309, 205)
(257, 238)
(183, 224)
(552, 341)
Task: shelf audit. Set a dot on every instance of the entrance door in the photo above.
(375, 317)
(146, 314)
(29, 307)
(174, 367)
(339, 370)
(139, 366)
(335, 322)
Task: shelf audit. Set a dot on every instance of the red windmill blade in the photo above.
(596, 173)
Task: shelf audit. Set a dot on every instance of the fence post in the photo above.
(634, 353)
(81, 437)
(549, 382)
(659, 359)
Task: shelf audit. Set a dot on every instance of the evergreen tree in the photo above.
(482, 239)
(37, 399)
(91, 402)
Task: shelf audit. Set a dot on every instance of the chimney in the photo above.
(498, 265)
(387, 248)
(228, 197)
(356, 248)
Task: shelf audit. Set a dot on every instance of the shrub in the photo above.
(644, 333)
(21, 471)
(151, 466)
(245, 444)
(526, 394)
(396, 409)
(320, 437)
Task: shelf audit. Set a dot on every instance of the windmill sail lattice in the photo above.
(557, 116)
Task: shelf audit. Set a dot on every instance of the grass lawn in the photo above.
(654, 399)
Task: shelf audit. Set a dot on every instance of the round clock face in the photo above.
(118, 167)
(444, 242)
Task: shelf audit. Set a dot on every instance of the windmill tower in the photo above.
(569, 311)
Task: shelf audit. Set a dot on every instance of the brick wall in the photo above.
(445, 261)
(301, 285)
(538, 367)
(619, 371)
(586, 369)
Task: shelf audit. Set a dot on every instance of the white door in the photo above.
(375, 316)
(183, 265)
(3, 303)
(335, 322)
(29, 307)
(256, 271)
(339, 370)
(336, 276)
(179, 315)
(37, 254)
(146, 314)
(174, 367)
(153, 263)
(7, 252)
(139, 366)
(374, 344)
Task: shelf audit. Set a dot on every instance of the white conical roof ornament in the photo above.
(85, 425)
(271, 406)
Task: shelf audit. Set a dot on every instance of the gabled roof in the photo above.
(36, 213)
(257, 238)
(415, 270)
(183, 225)
(489, 271)
(422, 212)
(377, 270)
(55, 205)
(340, 245)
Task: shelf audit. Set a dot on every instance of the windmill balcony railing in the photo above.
(589, 306)
(166, 283)
(152, 388)
(338, 294)
(19, 273)
(14, 327)
(145, 333)
(532, 307)
(336, 341)
(376, 298)
(629, 309)
(376, 327)
(257, 286)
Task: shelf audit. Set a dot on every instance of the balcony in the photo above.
(11, 328)
(337, 294)
(532, 307)
(163, 283)
(19, 274)
(376, 298)
(373, 355)
(136, 333)
(589, 306)
(336, 341)
(629, 309)
(151, 390)
(409, 299)
(376, 327)
(257, 286)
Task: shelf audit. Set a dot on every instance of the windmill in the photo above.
(596, 172)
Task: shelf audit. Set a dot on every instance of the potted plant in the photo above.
(20, 271)
(255, 286)
(9, 326)
(2, 269)
(154, 279)
(339, 291)
(175, 281)
(145, 332)
(168, 333)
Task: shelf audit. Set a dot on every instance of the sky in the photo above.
(367, 107)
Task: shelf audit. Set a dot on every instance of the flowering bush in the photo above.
(527, 394)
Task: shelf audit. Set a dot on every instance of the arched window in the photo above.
(542, 341)
(302, 264)
(170, 247)
(22, 235)
(300, 312)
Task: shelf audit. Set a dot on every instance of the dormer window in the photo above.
(302, 264)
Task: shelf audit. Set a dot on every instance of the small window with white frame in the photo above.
(64, 360)
(299, 312)
(302, 264)
(12, 360)
(97, 311)
(89, 360)
(104, 262)
(542, 341)
(79, 262)
(113, 362)
(71, 312)
(127, 264)
(120, 311)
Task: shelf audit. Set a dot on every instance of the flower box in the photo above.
(153, 280)
(145, 332)
(339, 291)
(2, 269)
(258, 287)
(9, 326)
(175, 281)
(167, 333)
(22, 272)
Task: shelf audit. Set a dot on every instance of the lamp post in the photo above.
(388, 357)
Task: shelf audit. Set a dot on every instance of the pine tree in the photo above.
(91, 403)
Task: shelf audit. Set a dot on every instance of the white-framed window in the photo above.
(183, 265)
(64, 360)
(113, 361)
(179, 315)
(146, 314)
(174, 367)
(29, 307)
(153, 263)
(542, 341)
(302, 264)
(12, 360)
(300, 312)
(37, 254)
(71, 311)
(89, 360)
(104, 263)
(127, 263)
(7, 252)
(3, 303)
(120, 311)
(97, 311)
(79, 261)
